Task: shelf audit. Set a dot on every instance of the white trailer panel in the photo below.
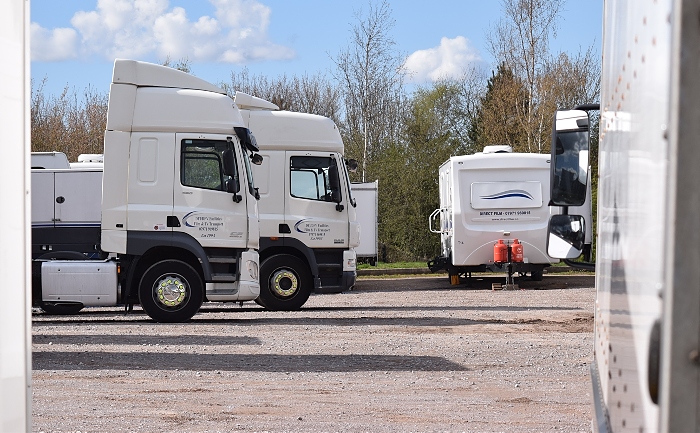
(367, 199)
(15, 308)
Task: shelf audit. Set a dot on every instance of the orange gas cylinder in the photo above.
(516, 251)
(500, 252)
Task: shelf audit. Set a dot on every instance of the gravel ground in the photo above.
(393, 355)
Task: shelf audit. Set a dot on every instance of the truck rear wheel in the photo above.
(285, 283)
(171, 291)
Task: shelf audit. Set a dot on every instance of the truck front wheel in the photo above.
(171, 291)
(285, 283)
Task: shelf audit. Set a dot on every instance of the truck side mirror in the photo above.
(569, 172)
(566, 236)
(229, 161)
(247, 138)
(334, 180)
(352, 165)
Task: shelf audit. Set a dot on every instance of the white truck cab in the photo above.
(179, 214)
(308, 220)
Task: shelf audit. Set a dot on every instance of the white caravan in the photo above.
(489, 200)
(308, 221)
(646, 369)
(179, 221)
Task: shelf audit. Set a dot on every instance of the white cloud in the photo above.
(150, 28)
(51, 45)
(448, 60)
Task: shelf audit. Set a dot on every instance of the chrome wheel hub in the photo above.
(171, 290)
(284, 283)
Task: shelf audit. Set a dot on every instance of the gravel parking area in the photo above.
(393, 355)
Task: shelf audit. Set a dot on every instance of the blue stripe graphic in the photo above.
(507, 194)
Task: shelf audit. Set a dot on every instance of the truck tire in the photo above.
(285, 283)
(59, 309)
(171, 291)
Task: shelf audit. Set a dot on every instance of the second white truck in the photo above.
(308, 217)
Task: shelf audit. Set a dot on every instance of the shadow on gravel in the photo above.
(298, 319)
(292, 317)
(141, 340)
(238, 362)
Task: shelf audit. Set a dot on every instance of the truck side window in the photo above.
(201, 164)
(309, 178)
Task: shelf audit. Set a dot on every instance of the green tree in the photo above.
(497, 116)
(408, 179)
(370, 75)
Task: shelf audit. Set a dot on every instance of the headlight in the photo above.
(253, 269)
(351, 263)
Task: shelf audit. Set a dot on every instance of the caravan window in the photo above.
(309, 177)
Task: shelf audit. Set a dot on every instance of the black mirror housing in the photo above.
(256, 158)
(352, 165)
(247, 138)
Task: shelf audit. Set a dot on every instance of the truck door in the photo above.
(204, 205)
(315, 210)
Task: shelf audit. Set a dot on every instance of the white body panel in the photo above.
(366, 195)
(487, 197)
(92, 283)
(15, 308)
(648, 259)
(49, 160)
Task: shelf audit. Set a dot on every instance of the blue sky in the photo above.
(74, 42)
